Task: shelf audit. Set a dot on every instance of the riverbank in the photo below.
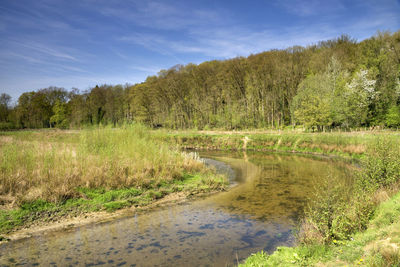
(353, 225)
(379, 245)
(258, 212)
(82, 218)
(48, 177)
(350, 145)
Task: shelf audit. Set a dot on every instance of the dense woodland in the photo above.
(335, 83)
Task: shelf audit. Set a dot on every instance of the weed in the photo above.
(93, 169)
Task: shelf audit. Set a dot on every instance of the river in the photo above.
(259, 212)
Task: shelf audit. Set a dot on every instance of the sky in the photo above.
(82, 43)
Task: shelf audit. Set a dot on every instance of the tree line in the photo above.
(334, 83)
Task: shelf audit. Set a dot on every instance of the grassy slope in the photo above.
(377, 246)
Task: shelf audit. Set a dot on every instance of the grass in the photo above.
(50, 174)
(379, 245)
(355, 224)
(344, 144)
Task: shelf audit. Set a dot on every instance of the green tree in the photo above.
(5, 100)
(312, 106)
(359, 95)
(393, 116)
(60, 117)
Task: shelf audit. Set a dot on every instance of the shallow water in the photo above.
(258, 213)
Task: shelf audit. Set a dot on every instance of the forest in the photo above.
(334, 83)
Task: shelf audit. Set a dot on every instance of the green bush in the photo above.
(339, 209)
(381, 168)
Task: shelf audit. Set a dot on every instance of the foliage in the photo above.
(359, 95)
(59, 119)
(312, 104)
(341, 210)
(393, 116)
(382, 166)
(377, 246)
(333, 83)
(4, 107)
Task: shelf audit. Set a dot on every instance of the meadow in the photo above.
(51, 173)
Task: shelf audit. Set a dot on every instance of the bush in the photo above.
(381, 168)
(6, 126)
(339, 209)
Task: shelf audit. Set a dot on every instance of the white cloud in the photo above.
(159, 15)
(304, 8)
(230, 39)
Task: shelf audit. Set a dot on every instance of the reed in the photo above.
(51, 166)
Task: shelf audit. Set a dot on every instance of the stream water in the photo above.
(259, 212)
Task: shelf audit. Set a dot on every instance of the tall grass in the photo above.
(352, 144)
(48, 168)
(339, 211)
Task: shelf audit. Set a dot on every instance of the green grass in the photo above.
(346, 226)
(379, 245)
(45, 175)
(344, 144)
(98, 199)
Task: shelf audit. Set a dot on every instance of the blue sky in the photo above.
(87, 42)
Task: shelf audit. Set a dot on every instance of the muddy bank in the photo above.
(65, 223)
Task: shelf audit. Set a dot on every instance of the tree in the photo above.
(60, 117)
(338, 82)
(5, 100)
(359, 94)
(393, 116)
(312, 106)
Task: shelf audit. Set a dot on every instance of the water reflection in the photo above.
(258, 213)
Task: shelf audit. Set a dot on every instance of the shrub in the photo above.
(339, 209)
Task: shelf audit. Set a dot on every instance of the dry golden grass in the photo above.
(309, 234)
(106, 158)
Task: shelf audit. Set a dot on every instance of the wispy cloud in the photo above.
(162, 16)
(151, 69)
(48, 51)
(154, 42)
(304, 8)
(230, 39)
(236, 41)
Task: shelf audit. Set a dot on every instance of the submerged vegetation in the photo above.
(50, 172)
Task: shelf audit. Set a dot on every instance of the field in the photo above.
(49, 174)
